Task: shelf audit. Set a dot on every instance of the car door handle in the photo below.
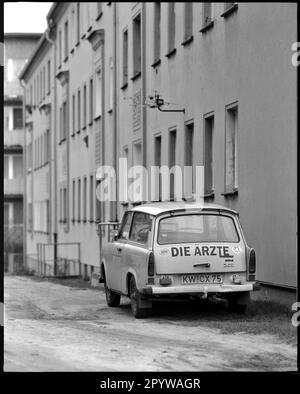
(202, 264)
(119, 249)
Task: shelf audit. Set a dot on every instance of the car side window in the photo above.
(125, 227)
(141, 228)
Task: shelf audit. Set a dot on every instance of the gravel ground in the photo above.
(64, 325)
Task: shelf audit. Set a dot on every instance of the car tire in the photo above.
(112, 299)
(135, 298)
(235, 306)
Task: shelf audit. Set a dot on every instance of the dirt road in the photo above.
(51, 327)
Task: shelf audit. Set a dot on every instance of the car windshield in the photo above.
(197, 228)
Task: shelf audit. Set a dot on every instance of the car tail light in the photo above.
(252, 262)
(151, 264)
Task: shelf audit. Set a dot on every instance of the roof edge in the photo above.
(38, 47)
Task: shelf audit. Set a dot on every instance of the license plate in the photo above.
(201, 279)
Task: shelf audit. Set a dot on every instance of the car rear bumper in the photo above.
(201, 289)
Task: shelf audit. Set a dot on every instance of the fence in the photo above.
(54, 259)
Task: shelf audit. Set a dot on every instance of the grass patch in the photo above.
(262, 317)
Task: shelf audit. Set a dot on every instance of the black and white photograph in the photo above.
(150, 189)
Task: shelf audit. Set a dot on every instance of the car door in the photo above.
(118, 252)
(137, 249)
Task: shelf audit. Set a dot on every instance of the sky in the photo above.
(25, 17)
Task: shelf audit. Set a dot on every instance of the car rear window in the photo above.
(197, 228)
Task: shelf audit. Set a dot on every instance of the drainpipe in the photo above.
(25, 179)
(54, 154)
(115, 125)
(144, 91)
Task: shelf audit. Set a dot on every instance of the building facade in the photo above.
(227, 65)
(17, 49)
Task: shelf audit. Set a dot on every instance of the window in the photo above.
(157, 18)
(123, 187)
(66, 40)
(111, 83)
(84, 107)
(208, 154)
(79, 201)
(189, 159)
(6, 214)
(48, 142)
(125, 226)
(141, 228)
(98, 106)
(49, 77)
(17, 167)
(48, 216)
(197, 228)
(97, 205)
(59, 48)
(6, 164)
(137, 45)
(137, 154)
(60, 123)
(91, 100)
(231, 151)
(37, 90)
(73, 199)
(64, 204)
(78, 24)
(29, 156)
(44, 82)
(171, 27)
(30, 216)
(18, 212)
(172, 160)
(72, 29)
(207, 14)
(34, 92)
(84, 198)
(125, 57)
(157, 163)
(10, 70)
(188, 20)
(73, 114)
(78, 112)
(91, 198)
(60, 204)
(41, 86)
(17, 118)
(65, 120)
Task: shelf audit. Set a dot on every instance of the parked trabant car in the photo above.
(166, 250)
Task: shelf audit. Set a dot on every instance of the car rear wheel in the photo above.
(135, 300)
(112, 299)
(238, 303)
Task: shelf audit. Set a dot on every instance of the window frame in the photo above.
(233, 188)
(146, 244)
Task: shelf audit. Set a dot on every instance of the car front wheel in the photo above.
(135, 299)
(112, 299)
